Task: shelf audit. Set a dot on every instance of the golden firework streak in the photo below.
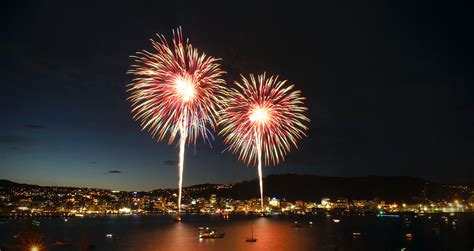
(260, 175)
(182, 143)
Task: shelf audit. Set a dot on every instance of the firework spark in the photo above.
(176, 90)
(262, 118)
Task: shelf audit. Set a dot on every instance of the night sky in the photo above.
(389, 87)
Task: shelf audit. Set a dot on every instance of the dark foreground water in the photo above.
(273, 233)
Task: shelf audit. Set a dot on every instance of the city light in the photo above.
(83, 203)
(125, 210)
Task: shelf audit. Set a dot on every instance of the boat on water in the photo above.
(61, 243)
(407, 221)
(251, 239)
(177, 219)
(211, 234)
(296, 225)
(356, 235)
(225, 216)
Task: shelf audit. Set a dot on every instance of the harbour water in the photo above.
(140, 232)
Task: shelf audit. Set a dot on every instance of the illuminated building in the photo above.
(213, 199)
(274, 202)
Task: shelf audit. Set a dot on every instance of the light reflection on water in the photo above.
(273, 233)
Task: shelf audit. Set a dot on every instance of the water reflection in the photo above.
(273, 233)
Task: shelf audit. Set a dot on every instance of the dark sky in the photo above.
(389, 86)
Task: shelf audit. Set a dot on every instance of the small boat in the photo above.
(296, 225)
(409, 236)
(225, 216)
(251, 239)
(407, 221)
(356, 235)
(211, 234)
(201, 228)
(61, 244)
(109, 236)
(310, 223)
(336, 220)
(35, 222)
(177, 219)
(388, 215)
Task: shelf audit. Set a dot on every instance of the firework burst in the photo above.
(262, 118)
(175, 91)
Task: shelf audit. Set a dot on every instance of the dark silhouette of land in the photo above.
(313, 188)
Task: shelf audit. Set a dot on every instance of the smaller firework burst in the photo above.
(263, 117)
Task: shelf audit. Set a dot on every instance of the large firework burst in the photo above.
(176, 90)
(262, 118)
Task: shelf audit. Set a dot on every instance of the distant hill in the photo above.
(309, 187)
(313, 188)
(7, 184)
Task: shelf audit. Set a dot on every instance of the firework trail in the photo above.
(261, 119)
(176, 90)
